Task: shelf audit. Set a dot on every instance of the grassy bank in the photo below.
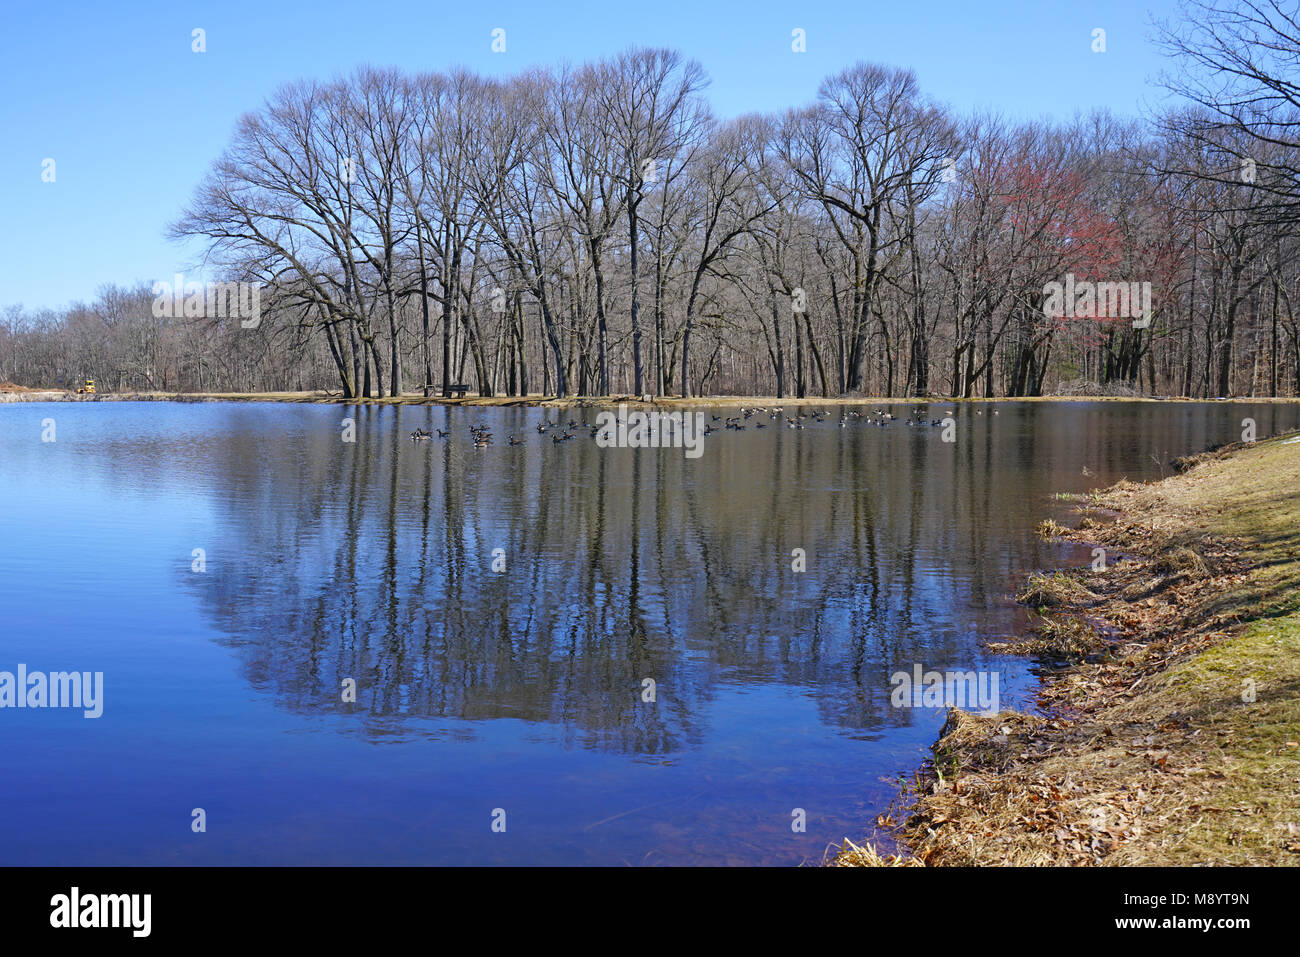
(1170, 728)
(12, 393)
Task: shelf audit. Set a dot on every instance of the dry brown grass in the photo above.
(1181, 744)
(1048, 528)
(1056, 638)
(865, 855)
(1046, 591)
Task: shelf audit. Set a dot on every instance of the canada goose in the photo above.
(514, 441)
(419, 434)
(441, 434)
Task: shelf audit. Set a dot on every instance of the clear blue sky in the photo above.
(133, 118)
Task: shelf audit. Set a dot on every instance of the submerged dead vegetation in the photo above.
(1169, 730)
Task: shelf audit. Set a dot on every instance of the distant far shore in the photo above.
(10, 393)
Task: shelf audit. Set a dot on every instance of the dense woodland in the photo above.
(595, 230)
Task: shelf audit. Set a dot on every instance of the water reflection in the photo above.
(374, 561)
(480, 688)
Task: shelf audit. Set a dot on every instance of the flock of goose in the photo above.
(918, 417)
(482, 435)
(879, 417)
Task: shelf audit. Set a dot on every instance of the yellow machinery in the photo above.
(88, 388)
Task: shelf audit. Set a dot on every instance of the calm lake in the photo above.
(512, 679)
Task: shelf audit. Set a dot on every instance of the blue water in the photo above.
(518, 689)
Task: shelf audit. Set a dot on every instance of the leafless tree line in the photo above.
(597, 230)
